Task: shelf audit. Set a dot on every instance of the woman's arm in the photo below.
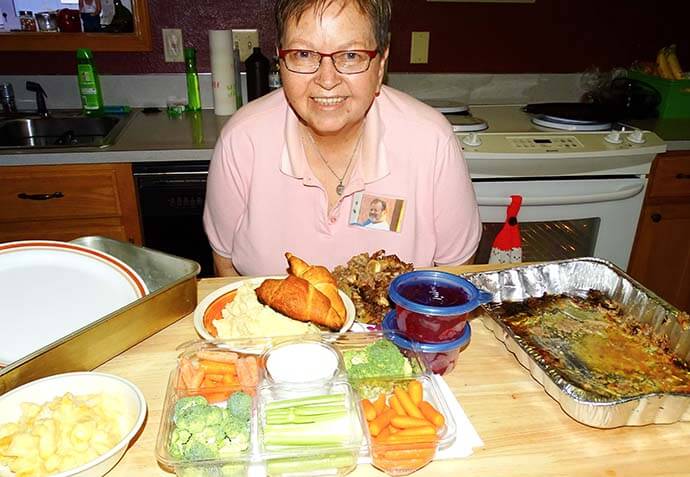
(223, 266)
(98, 7)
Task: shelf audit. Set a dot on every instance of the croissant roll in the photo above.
(320, 278)
(297, 298)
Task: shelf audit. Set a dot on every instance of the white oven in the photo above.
(582, 190)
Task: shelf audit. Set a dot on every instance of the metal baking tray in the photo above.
(172, 295)
(577, 276)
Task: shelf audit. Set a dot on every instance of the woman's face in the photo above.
(328, 102)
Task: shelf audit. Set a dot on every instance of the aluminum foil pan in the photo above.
(576, 277)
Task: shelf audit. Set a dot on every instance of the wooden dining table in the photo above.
(525, 432)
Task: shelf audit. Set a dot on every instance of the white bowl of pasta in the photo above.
(71, 424)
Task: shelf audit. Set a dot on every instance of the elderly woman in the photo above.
(296, 170)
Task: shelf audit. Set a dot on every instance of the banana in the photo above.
(673, 64)
(662, 65)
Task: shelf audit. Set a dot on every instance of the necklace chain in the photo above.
(340, 188)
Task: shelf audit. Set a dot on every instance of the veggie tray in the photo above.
(305, 406)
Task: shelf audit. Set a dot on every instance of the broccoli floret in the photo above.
(234, 426)
(205, 432)
(195, 418)
(379, 359)
(240, 405)
(178, 440)
(188, 402)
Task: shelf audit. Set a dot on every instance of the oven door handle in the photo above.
(621, 194)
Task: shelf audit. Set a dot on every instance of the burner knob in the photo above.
(614, 137)
(637, 137)
(472, 139)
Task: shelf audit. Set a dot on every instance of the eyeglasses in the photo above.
(346, 62)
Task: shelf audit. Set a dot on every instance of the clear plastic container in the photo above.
(277, 445)
(311, 429)
(375, 379)
(405, 455)
(440, 358)
(433, 306)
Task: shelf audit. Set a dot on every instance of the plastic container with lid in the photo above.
(439, 358)
(433, 306)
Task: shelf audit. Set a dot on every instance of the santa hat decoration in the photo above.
(507, 247)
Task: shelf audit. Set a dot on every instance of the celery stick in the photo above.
(324, 432)
(307, 400)
(302, 465)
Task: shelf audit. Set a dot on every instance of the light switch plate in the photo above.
(246, 40)
(419, 51)
(173, 48)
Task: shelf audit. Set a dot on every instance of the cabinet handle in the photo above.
(54, 195)
(680, 175)
(656, 217)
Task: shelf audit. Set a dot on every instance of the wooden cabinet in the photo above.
(661, 254)
(68, 201)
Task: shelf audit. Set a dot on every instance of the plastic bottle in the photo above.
(193, 92)
(257, 66)
(89, 84)
(238, 79)
(274, 75)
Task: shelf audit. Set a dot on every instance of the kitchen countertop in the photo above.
(145, 138)
(192, 137)
(525, 432)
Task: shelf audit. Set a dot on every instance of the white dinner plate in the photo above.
(50, 289)
(216, 295)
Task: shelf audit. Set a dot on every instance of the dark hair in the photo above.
(379, 201)
(377, 11)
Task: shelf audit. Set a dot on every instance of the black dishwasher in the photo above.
(171, 200)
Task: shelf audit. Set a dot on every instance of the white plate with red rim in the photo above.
(210, 309)
(50, 289)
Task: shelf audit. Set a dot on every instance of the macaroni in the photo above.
(62, 434)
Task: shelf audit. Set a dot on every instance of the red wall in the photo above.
(549, 36)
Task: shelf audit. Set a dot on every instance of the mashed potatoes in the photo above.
(246, 317)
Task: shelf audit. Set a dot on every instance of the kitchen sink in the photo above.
(57, 131)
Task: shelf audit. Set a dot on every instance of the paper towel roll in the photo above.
(223, 72)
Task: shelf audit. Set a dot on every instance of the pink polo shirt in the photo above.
(263, 199)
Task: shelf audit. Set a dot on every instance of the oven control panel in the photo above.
(542, 143)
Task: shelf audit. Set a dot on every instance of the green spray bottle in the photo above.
(193, 93)
(89, 84)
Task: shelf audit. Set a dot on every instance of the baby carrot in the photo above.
(435, 417)
(216, 355)
(216, 367)
(395, 404)
(407, 403)
(384, 433)
(414, 434)
(404, 422)
(415, 391)
(369, 411)
(378, 424)
(380, 404)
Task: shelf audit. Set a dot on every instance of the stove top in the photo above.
(513, 144)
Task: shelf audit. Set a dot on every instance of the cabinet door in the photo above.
(661, 260)
(68, 201)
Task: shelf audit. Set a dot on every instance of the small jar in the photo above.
(27, 20)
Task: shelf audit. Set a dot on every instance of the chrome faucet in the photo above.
(7, 98)
(41, 95)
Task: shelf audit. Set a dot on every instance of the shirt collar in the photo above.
(373, 164)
